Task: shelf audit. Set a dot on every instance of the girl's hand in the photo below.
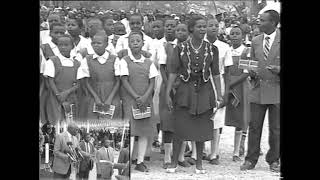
(98, 101)
(108, 102)
(62, 96)
(169, 103)
(142, 100)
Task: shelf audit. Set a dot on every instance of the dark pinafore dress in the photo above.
(102, 80)
(166, 117)
(237, 114)
(194, 99)
(65, 78)
(139, 80)
(44, 86)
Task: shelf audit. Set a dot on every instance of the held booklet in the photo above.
(137, 114)
(104, 109)
(248, 64)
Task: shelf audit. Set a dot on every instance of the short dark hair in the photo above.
(274, 16)
(55, 24)
(167, 19)
(136, 14)
(192, 22)
(95, 18)
(67, 36)
(106, 17)
(134, 32)
(237, 26)
(78, 21)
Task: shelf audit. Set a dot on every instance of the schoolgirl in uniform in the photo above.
(237, 109)
(61, 71)
(138, 78)
(47, 50)
(103, 77)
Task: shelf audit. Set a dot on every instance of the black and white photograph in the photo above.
(159, 90)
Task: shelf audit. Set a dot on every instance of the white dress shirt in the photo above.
(43, 61)
(271, 36)
(84, 69)
(161, 53)
(153, 72)
(49, 69)
(84, 43)
(45, 36)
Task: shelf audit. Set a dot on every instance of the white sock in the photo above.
(149, 150)
(135, 150)
(131, 146)
(215, 144)
(194, 150)
(237, 139)
(142, 144)
(167, 152)
(181, 154)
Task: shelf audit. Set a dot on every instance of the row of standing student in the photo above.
(145, 82)
(63, 69)
(165, 129)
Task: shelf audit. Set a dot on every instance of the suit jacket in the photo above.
(102, 155)
(84, 164)
(61, 162)
(268, 89)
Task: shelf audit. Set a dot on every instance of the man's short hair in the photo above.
(274, 16)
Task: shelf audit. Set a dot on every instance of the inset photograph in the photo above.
(81, 150)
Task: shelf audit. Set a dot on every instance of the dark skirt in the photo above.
(190, 127)
(166, 117)
(238, 116)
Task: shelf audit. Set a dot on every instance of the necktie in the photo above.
(108, 154)
(266, 48)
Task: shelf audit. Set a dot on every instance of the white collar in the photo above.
(174, 42)
(104, 56)
(71, 58)
(272, 35)
(206, 39)
(111, 36)
(238, 50)
(141, 60)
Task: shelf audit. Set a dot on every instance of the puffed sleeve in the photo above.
(83, 70)
(124, 71)
(215, 63)
(49, 69)
(174, 63)
(117, 65)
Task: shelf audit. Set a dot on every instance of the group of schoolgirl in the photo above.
(130, 73)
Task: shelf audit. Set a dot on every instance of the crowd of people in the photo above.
(97, 141)
(168, 75)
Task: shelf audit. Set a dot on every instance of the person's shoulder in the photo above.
(257, 38)
(223, 44)
(148, 38)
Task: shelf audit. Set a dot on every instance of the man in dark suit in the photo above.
(88, 147)
(62, 163)
(265, 92)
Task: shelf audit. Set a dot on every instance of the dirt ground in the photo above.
(227, 170)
